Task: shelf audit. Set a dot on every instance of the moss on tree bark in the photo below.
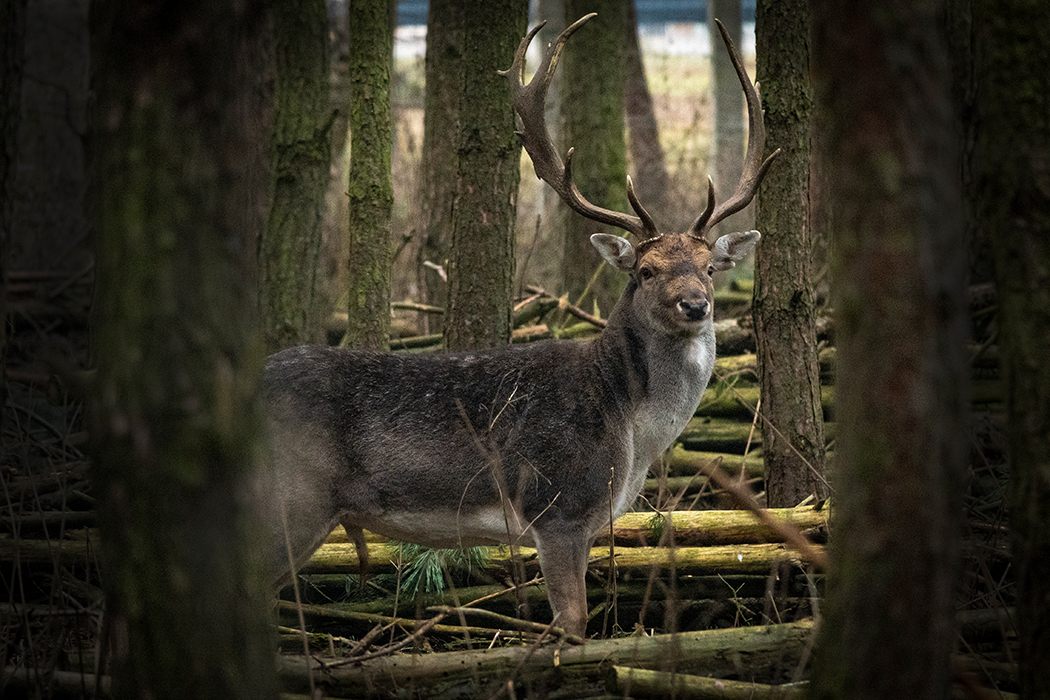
(300, 158)
(593, 78)
(784, 307)
(370, 188)
(481, 258)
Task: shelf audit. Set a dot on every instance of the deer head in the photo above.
(664, 267)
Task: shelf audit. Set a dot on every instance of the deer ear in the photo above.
(616, 250)
(732, 247)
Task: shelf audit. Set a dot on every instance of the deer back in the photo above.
(464, 447)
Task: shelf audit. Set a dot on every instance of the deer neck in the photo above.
(651, 364)
(657, 378)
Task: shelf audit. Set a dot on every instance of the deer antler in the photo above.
(528, 101)
(754, 167)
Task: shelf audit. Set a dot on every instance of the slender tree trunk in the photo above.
(440, 160)
(784, 307)
(175, 422)
(1010, 180)
(594, 65)
(548, 242)
(881, 73)
(651, 182)
(481, 260)
(12, 39)
(300, 159)
(729, 107)
(370, 188)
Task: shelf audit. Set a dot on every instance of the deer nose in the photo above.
(693, 309)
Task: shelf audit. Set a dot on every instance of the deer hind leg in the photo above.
(356, 536)
(563, 561)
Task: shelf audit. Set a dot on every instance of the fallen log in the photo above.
(691, 590)
(739, 402)
(709, 527)
(369, 620)
(644, 683)
(724, 435)
(341, 558)
(683, 462)
(758, 651)
(59, 684)
(692, 528)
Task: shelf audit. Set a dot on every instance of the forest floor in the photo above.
(688, 595)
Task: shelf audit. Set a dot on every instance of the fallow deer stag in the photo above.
(538, 444)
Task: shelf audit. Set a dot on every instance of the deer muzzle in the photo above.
(694, 309)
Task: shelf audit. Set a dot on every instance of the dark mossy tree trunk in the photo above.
(593, 74)
(481, 256)
(882, 77)
(12, 37)
(300, 159)
(440, 160)
(175, 424)
(784, 307)
(728, 145)
(651, 181)
(370, 187)
(1011, 167)
(959, 19)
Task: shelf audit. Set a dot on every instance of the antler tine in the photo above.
(754, 167)
(529, 103)
(698, 225)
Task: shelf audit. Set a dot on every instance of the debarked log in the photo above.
(341, 558)
(694, 528)
(645, 683)
(755, 650)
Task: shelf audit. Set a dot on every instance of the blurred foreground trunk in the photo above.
(899, 276)
(175, 423)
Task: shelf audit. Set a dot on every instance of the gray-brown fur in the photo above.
(513, 445)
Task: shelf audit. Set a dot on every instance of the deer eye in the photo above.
(710, 270)
(646, 273)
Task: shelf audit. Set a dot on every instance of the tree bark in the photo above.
(1010, 169)
(728, 145)
(481, 259)
(651, 182)
(440, 160)
(882, 79)
(370, 188)
(784, 307)
(175, 424)
(593, 75)
(300, 159)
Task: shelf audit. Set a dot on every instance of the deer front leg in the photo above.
(563, 561)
